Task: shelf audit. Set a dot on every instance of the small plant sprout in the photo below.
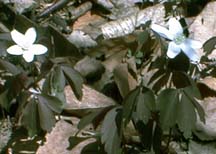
(178, 41)
(25, 45)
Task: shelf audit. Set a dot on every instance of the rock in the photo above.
(207, 131)
(91, 99)
(204, 27)
(204, 148)
(57, 141)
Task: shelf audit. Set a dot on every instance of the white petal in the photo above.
(162, 31)
(175, 27)
(18, 38)
(31, 35)
(34, 91)
(173, 50)
(190, 52)
(38, 49)
(193, 44)
(15, 50)
(28, 56)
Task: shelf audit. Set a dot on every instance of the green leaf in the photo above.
(157, 139)
(110, 132)
(75, 80)
(138, 61)
(143, 37)
(145, 133)
(145, 104)
(209, 45)
(46, 116)
(129, 104)
(58, 79)
(193, 91)
(167, 104)
(93, 148)
(4, 102)
(129, 53)
(5, 37)
(51, 102)
(88, 119)
(180, 79)
(55, 83)
(180, 63)
(139, 54)
(74, 140)
(199, 109)
(186, 116)
(30, 118)
(9, 67)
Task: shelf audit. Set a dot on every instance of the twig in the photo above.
(79, 11)
(58, 5)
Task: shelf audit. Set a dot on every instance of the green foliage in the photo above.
(74, 140)
(74, 79)
(167, 105)
(110, 130)
(30, 118)
(9, 67)
(165, 97)
(39, 113)
(145, 105)
(55, 83)
(209, 45)
(93, 148)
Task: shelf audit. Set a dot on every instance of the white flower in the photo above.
(178, 41)
(24, 45)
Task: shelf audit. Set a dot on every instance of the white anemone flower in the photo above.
(178, 41)
(25, 45)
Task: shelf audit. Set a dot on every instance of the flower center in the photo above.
(179, 39)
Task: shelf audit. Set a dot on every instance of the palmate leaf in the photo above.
(55, 83)
(157, 137)
(88, 119)
(30, 118)
(129, 104)
(93, 148)
(46, 117)
(95, 117)
(110, 132)
(180, 63)
(74, 79)
(209, 45)
(145, 104)
(180, 79)
(52, 102)
(186, 116)
(146, 132)
(47, 107)
(143, 37)
(75, 140)
(192, 92)
(9, 67)
(167, 105)
(4, 102)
